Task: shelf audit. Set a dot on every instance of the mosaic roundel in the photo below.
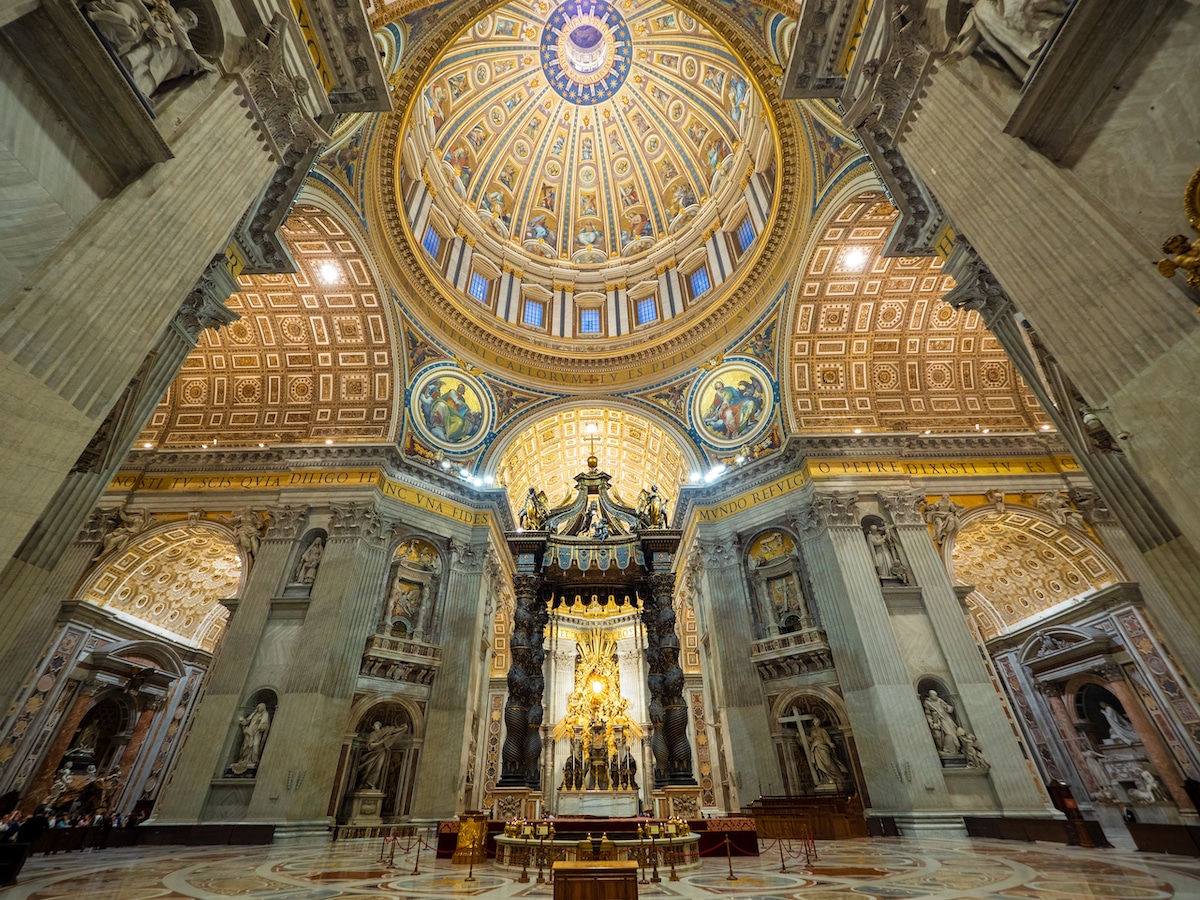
(450, 408)
(586, 51)
(732, 403)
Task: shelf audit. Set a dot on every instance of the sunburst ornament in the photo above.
(586, 51)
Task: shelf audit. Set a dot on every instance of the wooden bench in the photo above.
(596, 880)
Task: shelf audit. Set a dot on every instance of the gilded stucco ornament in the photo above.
(1184, 251)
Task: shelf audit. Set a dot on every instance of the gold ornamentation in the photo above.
(596, 696)
(1185, 252)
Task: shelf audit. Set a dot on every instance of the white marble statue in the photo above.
(940, 716)
(885, 554)
(1094, 760)
(372, 765)
(247, 527)
(254, 735)
(1120, 729)
(151, 40)
(1016, 31)
(1059, 508)
(972, 751)
(943, 516)
(1148, 789)
(310, 561)
(822, 754)
(128, 526)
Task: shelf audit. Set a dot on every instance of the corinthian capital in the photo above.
(205, 306)
(837, 508)
(286, 522)
(904, 506)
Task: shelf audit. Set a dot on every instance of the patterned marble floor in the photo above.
(886, 869)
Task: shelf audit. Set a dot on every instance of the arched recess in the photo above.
(814, 743)
(384, 753)
(171, 579)
(869, 345)
(779, 582)
(1023, 565)
(414, 578)
(546, 448)
(311, 358)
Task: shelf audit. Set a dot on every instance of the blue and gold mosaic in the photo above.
(586, 51)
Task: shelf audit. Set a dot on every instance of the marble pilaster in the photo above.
(453, 697)
(207, 749)
(738, 703)
(299, 763)
(900, 764)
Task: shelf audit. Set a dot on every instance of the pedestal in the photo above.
(682, 801)
(472, 839)
(597, 803)
(366, 808)
(515, 803)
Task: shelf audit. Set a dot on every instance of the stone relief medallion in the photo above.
(732, 403)
(450, 408)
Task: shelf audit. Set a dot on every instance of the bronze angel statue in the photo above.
(652, 508)
(535, 512)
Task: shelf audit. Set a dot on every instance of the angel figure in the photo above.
(652, 508)
(535, 512)
(1184, 254)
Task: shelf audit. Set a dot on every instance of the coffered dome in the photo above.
(583, 146)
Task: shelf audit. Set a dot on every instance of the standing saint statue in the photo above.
(1120, 729)
(310, 561)
(254, 735)
(940, 716)
(822, 755)
(151, 39)
(372, 765)
(885, 554)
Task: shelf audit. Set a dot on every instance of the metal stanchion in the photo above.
(654, 879)
(642, 854)
(729, 859)
(541, 879)
(524, 879)
(471, 867)
(782, 864)
(417, 862)
(671, 857)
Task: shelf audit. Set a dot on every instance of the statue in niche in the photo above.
(1120, 729)
(380, 743)
(405, 599)
(1013, 31)
(1049, 644)
(152, 40)
(128, 526)
(535, 511)
(942, 724)
(310, 561)
(85, 742)
(972, 751)
(823, 755)
(943, 516)
(652, 508)
(886, 555)
(254, 735)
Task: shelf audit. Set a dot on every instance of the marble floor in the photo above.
(887, 869)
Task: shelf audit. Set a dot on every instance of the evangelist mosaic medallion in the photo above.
(450, 408)
(732, 404)
(586, 51)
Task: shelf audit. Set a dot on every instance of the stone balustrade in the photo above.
(798, 653)
(400, 659)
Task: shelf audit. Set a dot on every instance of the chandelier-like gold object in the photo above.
(596, 696)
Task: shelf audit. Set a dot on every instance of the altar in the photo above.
(609, 804)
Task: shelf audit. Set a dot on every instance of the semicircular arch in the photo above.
(171, 579)
(547, 447)
(1023, 565)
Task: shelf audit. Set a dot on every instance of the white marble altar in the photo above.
(597, 803)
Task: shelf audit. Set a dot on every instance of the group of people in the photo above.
(21, 828)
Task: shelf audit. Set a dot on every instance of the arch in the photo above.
(162, 656)
(871, 348)
(546, 447)
(278, 343)
(364, 703)
(171, 578)
(1023, 565)
(414, 579)
(384, 755)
